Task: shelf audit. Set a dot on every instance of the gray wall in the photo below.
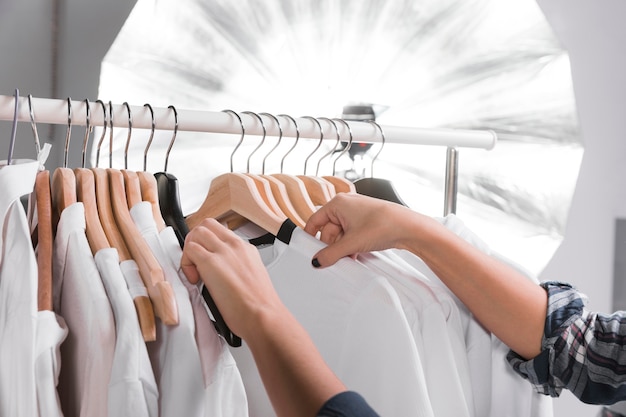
(593, 34)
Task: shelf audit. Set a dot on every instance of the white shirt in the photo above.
(132, 388)
(51, 332)
(18, 293)
(356, 321)
(225, 394)
(80, 298)
(498, 390)
(438, 337)
(174, 354)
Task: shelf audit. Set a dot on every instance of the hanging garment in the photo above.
(18, 293)
(225, 394)
(507, 393)
(132, 388)
(180, 382)
(354, 318)
(80, 298)
(439, 340)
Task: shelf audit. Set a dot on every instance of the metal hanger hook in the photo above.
(68, 133)
(87, 131)
(314, 120)
(243, 133)
(111, 135)
(317, 170)
(153, 124)
(174, 133)
(280, 138)
(282, 161)
(262, 139)
(104, 131)
(130, 129)
(14, 127)
(348, 146)
(33, 125)
(382, 138)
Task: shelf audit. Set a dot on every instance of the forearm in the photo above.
(503, 300)
(294, 374)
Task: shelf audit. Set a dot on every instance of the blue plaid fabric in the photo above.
(582, 351)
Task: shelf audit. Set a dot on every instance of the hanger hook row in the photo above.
(262, 139)
(382, 138)
(330, 152)
(282, 161)
(243, 133)
(104, 131)
(153, 124)
(87, 131)
(280, 138)
(348, 146)
(314, 120)
(174, 133)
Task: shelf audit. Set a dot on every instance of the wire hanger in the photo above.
(131, 180)
(160, 291)
(44, 235)
(296, 189)
(318, 189)
(14, 127)
(378, 187)
(63, 181)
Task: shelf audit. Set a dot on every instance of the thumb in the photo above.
(332, 253)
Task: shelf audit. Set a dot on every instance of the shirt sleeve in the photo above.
(346, 404)
(582, 351)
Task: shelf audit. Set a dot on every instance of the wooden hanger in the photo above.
(298, 195)
(279, 191)
(45, 240)
(160, 291)
(319, 189)
(341, 185)
(63, 191)
(236, 193)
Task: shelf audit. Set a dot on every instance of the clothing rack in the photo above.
(57, 111)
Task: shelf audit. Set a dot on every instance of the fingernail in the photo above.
(315, 263)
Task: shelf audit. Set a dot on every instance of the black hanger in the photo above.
(378, 187)
(172, 213)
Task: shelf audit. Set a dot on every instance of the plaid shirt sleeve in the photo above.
(582, 351)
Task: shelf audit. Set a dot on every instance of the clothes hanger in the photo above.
(318, 189)
(340, 185)
(45, 238)
(160, 291)
(100, 186)
(148, 182)
(278, 189)
(263, 184)
(168, 192)
(86, 193)
(63, 188)
(131, 180)
(378, 187)
(295, 187)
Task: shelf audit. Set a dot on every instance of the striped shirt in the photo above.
(582, 351)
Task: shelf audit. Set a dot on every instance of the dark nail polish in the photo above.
(315, 263)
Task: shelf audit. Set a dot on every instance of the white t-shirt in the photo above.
(80, 298)
(174, 354)
(356, 321)
(225, 394)
(18, 293)
(132, 388)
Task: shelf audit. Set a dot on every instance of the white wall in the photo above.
(592, 32)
